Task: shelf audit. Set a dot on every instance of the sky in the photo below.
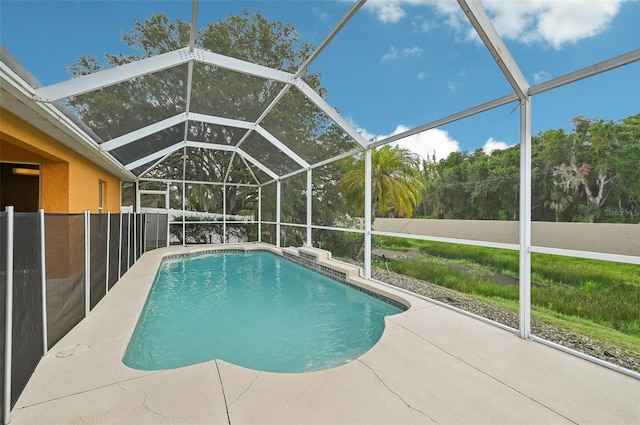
(396, 65)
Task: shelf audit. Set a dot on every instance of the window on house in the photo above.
(101, 193)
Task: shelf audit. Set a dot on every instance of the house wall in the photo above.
(69, 183)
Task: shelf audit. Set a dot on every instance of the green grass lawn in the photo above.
(595, 298)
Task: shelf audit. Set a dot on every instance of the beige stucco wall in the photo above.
(69, 182)
(623, 239)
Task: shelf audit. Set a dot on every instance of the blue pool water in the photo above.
(256, 310)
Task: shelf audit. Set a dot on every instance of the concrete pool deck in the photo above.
(432, 365)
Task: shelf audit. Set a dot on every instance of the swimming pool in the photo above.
(253, 309)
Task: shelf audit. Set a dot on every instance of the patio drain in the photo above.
(70, 351)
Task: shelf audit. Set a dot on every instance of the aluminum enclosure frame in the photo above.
(522, 92)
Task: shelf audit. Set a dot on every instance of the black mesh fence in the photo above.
(65, 273)
(155, 231)
(269, 233)
(163, 222)
(114, 249)
(98, 243)
(132, 239)
(124, 244)
(27, 347)
(139, 234)
(114, 246)
(150, 231)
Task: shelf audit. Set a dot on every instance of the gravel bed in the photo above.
(615, 355)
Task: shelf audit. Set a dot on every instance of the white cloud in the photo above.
(369, 137)
(426, 26)
(422, 75)
(541, 76)
(434, 142)
(394, 54)
(553, 22)
(453, 15)
(430, 143)
(320, 14)
(494, 145)
(391, 55)
(454, 86)
(412, 51)
(387, 11)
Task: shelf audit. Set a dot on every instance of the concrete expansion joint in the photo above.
(424, 307)
(224, 395)
(406, 403)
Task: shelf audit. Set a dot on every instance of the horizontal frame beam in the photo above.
(590, 255)
(587, 72)
(212, 146)
(241, 66)
(108, 77)
(143, 132)
(170, 122)
(486, 244)
(155, 179)
(156, 155)
(226, 122)
(448, 119)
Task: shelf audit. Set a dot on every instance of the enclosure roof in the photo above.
(270, 121)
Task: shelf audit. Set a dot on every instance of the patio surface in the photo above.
(432, 365)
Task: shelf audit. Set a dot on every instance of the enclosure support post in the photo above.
(8, 321)
(224, 213)
(143, 233)
(135, 238)
(259, 214)
(525, 218)
(120, 248)
(309, 206)
(106, 274)
(278, 184)
(167, 232)
(87, 263)
(143, 225)
(158, 230)
(184, 200)
(167, 201)
(137, 206)
(128, 239)
(367, 213)
(43, 267)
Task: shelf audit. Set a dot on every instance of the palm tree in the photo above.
(395, 182)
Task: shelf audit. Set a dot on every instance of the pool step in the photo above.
(320, 261)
